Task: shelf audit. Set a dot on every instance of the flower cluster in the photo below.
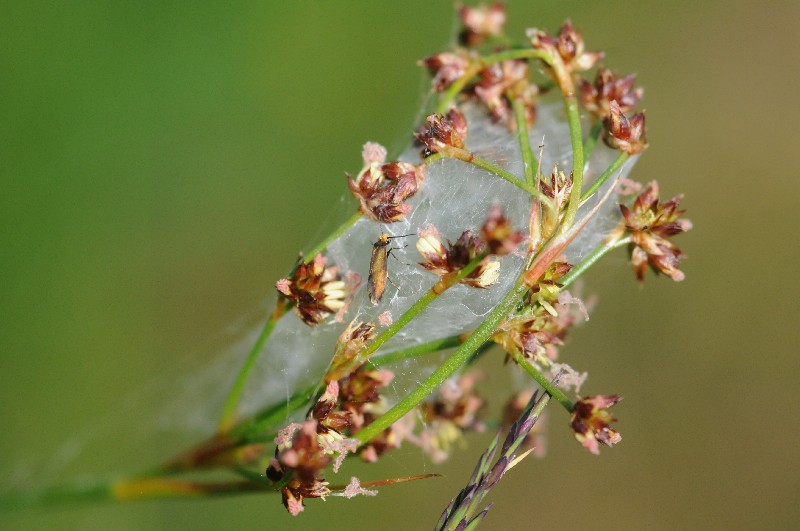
(590, 422)
(316, 290)
(499, 82)
(650, 224)
(382, 188)
(626, 135)
(442, 132)
(567, 48)
(448, 262)
(607, 88)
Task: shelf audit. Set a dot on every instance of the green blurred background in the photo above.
(162, 163)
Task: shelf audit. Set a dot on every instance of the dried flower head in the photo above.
(590, 421)
(381, 189)
(481, 22)
(568, 47)
(351, 341)
(443, 131)
(449, 261)
(446, 68)
(499, 234)
(303, 458)
(607, 87)
(499, 80)
(650, 224)
(316, 291)
(625, 134)
(452, 412)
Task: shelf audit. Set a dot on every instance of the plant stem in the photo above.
(602, 178)
(450, 365)
(471, 158)
(232, 401)
(574, 120)
(528, 158)
(590, 260)
(416, 351)
(544, 382)
(591, 140)
(330, 238)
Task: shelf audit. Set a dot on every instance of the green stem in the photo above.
(416, 351)
(232, 401)
(545, 383)
(330, 238)
(528, 158)
(471, 158)
(450, 365)
(591, 140)
(128, 490)
(602, 178)
(574, 120)
(590, 260)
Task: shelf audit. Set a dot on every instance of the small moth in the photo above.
(379, 267)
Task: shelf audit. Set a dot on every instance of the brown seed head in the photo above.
(625, 134)
(590, 422)
(597, 97)
(568, 47)
(381, 189)
(442, 131)
(650, 225)
(316, 291)
(443, 261)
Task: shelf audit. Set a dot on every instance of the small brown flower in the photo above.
(443, 131)
(316, 291)
(607, 87)
(446, 68)
(302, 456)
(481, 22)
(442, 262)
(590, 421)
(381, 189)
(497, 81)
(499, 234)
(625, 134)
(568, 47)
(650, 225)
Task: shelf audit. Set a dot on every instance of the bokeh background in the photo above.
(162, 164)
